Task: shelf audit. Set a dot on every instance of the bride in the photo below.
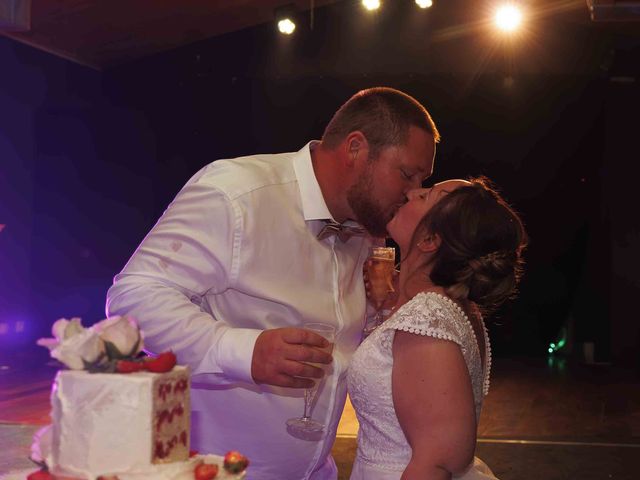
(417, 382)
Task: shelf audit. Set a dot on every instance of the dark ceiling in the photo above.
(105, 33)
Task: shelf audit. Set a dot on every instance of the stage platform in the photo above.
(545, 418)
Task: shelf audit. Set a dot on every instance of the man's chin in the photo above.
(377, 229)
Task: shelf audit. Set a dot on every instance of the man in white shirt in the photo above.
(234, 268)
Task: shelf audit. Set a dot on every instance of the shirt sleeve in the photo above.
(189, 252)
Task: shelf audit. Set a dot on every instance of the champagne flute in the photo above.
(381, 281)
(305, 427)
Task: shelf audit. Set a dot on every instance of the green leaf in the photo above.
(41, 464)
(100, 365)
(134, 350)
(112, 351)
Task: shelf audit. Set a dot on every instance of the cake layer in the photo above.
(170, 417)
(116, 423)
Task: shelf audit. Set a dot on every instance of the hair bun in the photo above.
(494, 277)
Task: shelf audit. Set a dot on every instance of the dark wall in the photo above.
(91, 159)
(68, 155)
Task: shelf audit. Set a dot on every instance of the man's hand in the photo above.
(280, 357)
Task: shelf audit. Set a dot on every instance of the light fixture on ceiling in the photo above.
(424, 3)
(286, 18)
(508, 17)
(371, 5)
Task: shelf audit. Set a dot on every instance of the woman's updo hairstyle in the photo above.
(482, 240)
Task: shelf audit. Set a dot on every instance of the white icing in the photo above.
(103, 424)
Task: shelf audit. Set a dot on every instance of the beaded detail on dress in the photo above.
(381, 441)
(487, 360)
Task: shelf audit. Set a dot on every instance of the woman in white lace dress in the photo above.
(417, 382)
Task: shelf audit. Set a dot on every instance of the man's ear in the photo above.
(356, 147)
(429, 243)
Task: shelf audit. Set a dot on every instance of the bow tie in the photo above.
(344, 232)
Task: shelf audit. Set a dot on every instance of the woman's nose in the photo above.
(416, 192)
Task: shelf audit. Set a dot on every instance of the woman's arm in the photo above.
(433, 400)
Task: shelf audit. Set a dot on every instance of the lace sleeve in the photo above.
(431, 315)
(437, 316)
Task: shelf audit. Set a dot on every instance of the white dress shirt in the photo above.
(236, 253)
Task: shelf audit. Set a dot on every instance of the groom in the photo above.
(243, 258)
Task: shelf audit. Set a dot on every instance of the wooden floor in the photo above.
(545, 418)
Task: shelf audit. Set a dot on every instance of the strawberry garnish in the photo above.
(162, 363)
(128, 366)
(235, 462)
(205, 471)
(40, 475)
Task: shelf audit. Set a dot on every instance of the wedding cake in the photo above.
(116, 415)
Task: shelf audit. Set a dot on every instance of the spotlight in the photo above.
(371, 4)
(508, 17)
(286, 26)
(285, 18)
(424, 3)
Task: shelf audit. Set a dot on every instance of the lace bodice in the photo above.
(381, 441)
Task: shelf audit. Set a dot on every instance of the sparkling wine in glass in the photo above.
(305, 427)
(380, 281)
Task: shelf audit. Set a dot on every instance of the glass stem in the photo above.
(307, 403)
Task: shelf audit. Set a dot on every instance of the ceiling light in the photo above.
(424, 3)
(508, 17)
(371, 4)
(285, 18)
(286, 26)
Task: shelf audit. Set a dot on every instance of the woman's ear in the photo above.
(429, 243)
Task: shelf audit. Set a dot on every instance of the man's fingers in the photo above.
(302, 336)
(305, 353)
(281, 357)
(297, 369)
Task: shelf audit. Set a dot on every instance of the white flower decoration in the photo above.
(73, 344)
(122, 333)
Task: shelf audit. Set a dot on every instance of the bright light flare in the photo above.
(508, 18)
(424, 3)
(286, 26)
(371, 4)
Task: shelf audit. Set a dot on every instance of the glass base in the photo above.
(305, 428)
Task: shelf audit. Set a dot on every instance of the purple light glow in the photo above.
(16, 330)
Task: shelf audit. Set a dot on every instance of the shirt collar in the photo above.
(313, 205)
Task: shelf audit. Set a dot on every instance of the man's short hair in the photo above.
(383, 115)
